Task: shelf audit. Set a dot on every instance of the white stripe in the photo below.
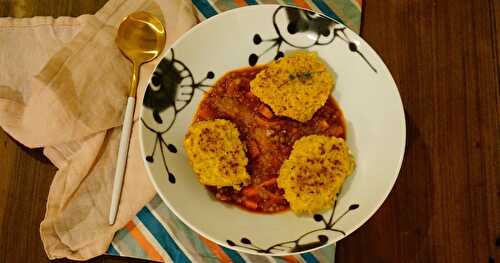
(262, 2)
(166, 257)
(167, 228)
(319, 255)
(271, 259)
(200, 15)
(281, 2)
(257, 258)
(356, 4)
(213, 5)
(244, 256)
(116, 248)
(125, 251)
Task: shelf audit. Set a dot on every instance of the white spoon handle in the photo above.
(122, 159)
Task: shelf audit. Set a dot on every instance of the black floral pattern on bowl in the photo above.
(296, 245)
(325, 30)
(168, 89)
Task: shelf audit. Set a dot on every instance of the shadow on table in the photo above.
(36, 153)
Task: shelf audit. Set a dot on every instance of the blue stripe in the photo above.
(205, 8)
(112, 251)
(325, 9)
(310, 258)
(251, 2)
(235, 256)
(162, 236)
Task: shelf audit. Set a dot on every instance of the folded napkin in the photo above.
(63, 86)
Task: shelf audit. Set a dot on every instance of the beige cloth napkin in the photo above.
(63, 86)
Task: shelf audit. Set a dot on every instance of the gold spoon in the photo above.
(141, 38)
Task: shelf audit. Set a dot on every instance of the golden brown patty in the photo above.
(314, 173)
(295, 86)
(217, 154)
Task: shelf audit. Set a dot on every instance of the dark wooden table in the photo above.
(445, 206)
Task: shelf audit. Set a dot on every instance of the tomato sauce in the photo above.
(268, 138)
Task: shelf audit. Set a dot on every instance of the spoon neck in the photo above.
(134, 81)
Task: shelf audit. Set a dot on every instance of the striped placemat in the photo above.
(157, 234)
(347, 12)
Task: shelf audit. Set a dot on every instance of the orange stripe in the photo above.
(143, 242)
(240, 2)
(218, 252)
(302, 3)
(360, 2)
(290, 259)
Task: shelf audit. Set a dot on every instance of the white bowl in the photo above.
(364, 90)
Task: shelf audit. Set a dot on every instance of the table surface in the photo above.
(445, 206)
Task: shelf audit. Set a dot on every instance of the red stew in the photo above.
(268, 138)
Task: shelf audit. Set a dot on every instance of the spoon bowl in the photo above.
(141, 37)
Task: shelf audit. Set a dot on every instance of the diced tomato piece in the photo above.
(323, 124)
(250, 204)
(204, 113)
(336, 131)
(265, 111)
(268, 182)
(249, 191)
(263, 122)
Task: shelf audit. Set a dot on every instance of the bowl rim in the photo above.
(349, 231)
